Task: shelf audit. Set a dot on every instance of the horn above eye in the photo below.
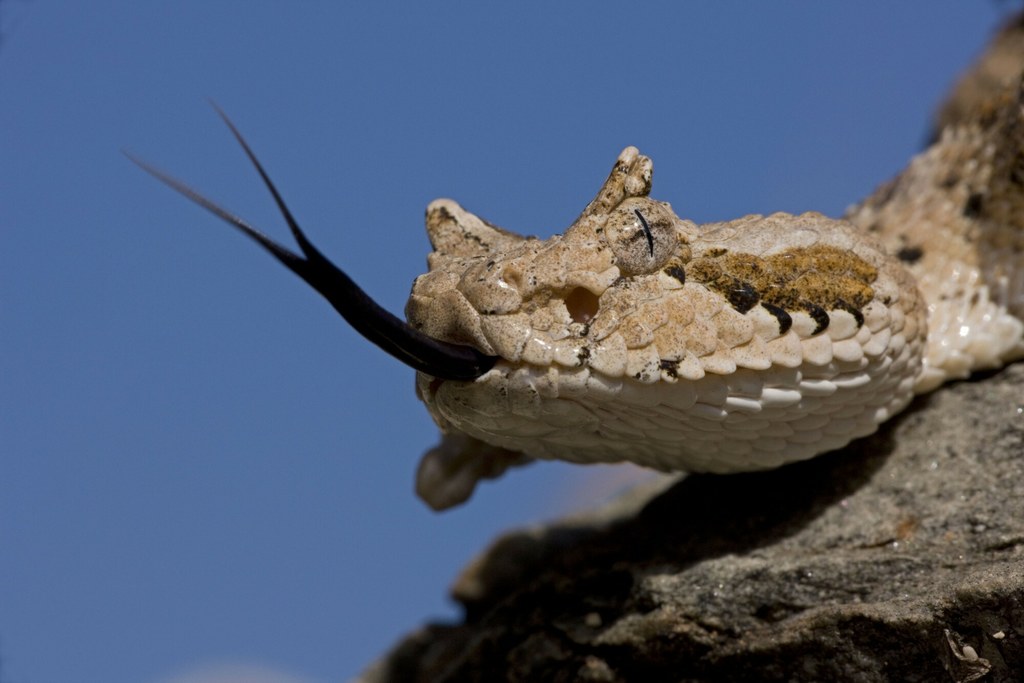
(417, 350)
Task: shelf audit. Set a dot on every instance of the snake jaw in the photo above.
(419, 351)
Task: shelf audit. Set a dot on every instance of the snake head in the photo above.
(536, 302)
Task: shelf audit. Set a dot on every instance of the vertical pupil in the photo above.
(647, 232)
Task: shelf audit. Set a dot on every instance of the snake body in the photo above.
(639, 336)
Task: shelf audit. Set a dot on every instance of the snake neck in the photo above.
(955, 217)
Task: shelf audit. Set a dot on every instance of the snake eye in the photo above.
(641, 236)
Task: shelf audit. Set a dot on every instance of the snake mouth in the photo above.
(422, 353)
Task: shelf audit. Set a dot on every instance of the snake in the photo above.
(638, 336)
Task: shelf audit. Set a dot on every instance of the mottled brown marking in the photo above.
(812, 279)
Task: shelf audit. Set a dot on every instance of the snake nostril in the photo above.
(582, 304)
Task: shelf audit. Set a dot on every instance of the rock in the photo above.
(899, 557)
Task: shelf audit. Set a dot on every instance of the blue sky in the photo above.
(202, 471)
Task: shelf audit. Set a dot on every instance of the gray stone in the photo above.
(900, 557)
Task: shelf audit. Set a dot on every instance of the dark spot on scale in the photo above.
(972, 207)
(785, 320)
(819, 316)
(583, 355)
(445, 213)
(910, 254)
(677, 272)
(743, 296)
(886, 300)
(670, 367)
(949, 181)
(852, 310)
(476, 238)
(715, 252)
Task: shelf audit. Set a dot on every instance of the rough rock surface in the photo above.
(897, 558)
(900, 557)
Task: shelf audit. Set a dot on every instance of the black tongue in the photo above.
(417, 350)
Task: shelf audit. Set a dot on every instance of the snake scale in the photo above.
(636, 335)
